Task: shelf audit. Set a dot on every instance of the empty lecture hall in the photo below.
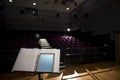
(59, 39)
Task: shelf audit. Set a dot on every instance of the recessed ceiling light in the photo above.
(67, 8)
(68, 29)
(34, 4)
(10, 0)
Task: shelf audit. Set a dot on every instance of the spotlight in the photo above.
(67, 8)
(34, 4)
(10, 0)
(68, 29)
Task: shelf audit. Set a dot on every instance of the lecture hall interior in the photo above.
(87, 32)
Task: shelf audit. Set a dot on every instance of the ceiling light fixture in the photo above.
(68, 29)
(67, 8)
(10, 0)
(34, 4)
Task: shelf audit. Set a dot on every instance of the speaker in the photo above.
(86, 15)
(22, 11)
(57, 15)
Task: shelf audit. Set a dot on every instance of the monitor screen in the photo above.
(45, 62)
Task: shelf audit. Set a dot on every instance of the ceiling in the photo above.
(54, 5)
(47, 14)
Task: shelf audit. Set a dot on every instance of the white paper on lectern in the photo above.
(57, 61)
(26, 60)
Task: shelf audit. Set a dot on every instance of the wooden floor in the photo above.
(94, 71)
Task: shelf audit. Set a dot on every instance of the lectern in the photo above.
(38, 60)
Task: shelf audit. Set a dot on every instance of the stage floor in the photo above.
(106, 70)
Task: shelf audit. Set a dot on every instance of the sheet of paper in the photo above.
(26, 60)
(37, 60)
